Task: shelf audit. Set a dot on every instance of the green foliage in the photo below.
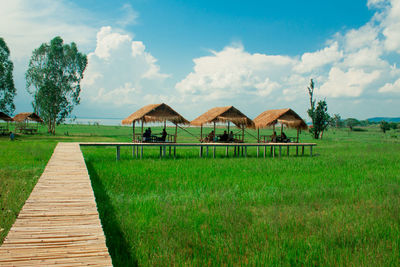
(7, 88)
(319, 115)
(336, 121)
(53, 78)
(351, 122)
(393, 125)
(385, 126)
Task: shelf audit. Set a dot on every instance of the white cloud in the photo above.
(312, 61)
(391, 87)
(27, 24)
(121, 72)
(232, 72)
(349, 84)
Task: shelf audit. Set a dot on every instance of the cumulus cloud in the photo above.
(351, 83)
(233, 71)
(391, 87)
(121, 72)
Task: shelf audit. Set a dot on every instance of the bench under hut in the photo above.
(154, 113)
(223, 115)
(4, 129)
(282, 116)
(23, 125)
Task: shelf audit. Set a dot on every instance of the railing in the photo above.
(154, 138)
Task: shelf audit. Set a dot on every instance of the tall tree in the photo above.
(319, 115)
(53, 78)
(7, 88)
(385, 126)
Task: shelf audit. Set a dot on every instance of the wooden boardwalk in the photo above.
(59, 223)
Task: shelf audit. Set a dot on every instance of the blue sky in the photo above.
(195, 55)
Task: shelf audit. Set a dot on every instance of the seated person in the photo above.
(284, 137)
(230, 137)
(273, 137)
(224, 137)
(147, 135)
(163, 135)
(210, 137)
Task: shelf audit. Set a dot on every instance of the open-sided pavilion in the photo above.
(284, 116)
(22, 122)
(223, 115)
(154, 113)
(4, 117)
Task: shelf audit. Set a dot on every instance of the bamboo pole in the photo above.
(142, 132)
(201, 133)
(176, 132)
(258, 135)
(228, 126)
(133, 131)
(297, 135)
(215, 134)
(243, 133)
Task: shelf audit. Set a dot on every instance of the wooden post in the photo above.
(133, 151)
(287, 150)
(215, 134)
(226, 151)
(160, 153)
(201, 152)
(207, 151)
(280, 151)
(133, 131)
(302, 150)
(258, 151)
(297, 135)
(170, 151)
(174, 151)
(214, 151)
(141, 151)
(310, 151)
(258, 135)
(164, 151)
(176, 132)
(245, 151)
(141, 138)
(281, 128)
(228, 126)
(273, 151)
(243, 134)
(118, 156)
(297, 150)
(265, 150)
(201, 133)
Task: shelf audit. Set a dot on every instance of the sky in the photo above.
(195, 55)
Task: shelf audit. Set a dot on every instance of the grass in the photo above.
(338, 208)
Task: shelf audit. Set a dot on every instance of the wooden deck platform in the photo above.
(238, 148)
(59, 223)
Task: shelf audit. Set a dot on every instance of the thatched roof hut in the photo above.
(224, 114)
(284, 116)
(154, 113)
(5, 117)
(27, 116)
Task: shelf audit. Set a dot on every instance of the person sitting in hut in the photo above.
(230, 137)
(273, 137)
(147, 135)
(224, 137)
(210, 137)
(163, 135)
(284, 138)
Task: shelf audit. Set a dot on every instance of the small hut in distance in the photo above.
(223, 114)
(154, 113)
(22, 122)
(6, 118)
(283, 116)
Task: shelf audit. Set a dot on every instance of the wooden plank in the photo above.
(59, 223)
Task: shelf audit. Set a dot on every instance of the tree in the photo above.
(7, 88)
(319, 115)
(351, 122)
(385, 126)
(393, 125)
(53, 78)
(336, 121)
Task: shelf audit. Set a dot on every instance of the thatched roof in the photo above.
(284, 116)
(156, 113)
(30, 116)
(224, 114)
(5, 117)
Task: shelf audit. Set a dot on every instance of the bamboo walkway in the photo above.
(59, 223)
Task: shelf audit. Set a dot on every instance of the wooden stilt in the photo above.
(226, 151)
(133, 151)
(170, 151)
(258, 135)
(160, 152)
(297, 150)
(176, 132)
(141, 151)
(310, 151)
(265, 150)
(245, 151)
(201, 133)
(141, 138)
(280, 151)
(302, 150)
(133, 131)
(258, 151)
(273, 151)
(214, 151)
(215, 134)
(287, 150)
(207, 151)
(297, 135)
(174, 151)
(118, 151)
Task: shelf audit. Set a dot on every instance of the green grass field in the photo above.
(341, 207)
